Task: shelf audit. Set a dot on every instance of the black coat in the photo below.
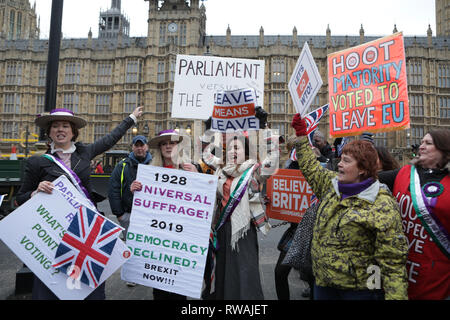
(119, 195)
(39, 169)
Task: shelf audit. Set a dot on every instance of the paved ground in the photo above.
(116, 289)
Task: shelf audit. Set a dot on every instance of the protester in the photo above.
(238, 214)
(72, 159)
(124, 173)
(324, 147)
(386, 161)
(166, 153)
(422, 190)
(203, 141)
(282, 271)
(93, 165)
(99, 168)
(358, 243)
(119, 194)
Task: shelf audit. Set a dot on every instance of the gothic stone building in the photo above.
(103, 79)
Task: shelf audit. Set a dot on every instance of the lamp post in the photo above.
(146, 129)
(134, 131)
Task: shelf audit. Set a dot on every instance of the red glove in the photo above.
(299, 125)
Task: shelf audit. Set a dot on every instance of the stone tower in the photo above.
(177, 22)
(442, 18)
(18, 20)
(113, 22)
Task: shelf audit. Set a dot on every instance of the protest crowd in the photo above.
(369, 229)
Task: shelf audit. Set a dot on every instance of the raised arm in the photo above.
(107, 142)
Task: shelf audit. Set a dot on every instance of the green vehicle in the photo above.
(10, 182)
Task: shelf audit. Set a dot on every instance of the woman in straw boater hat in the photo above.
(66, 157)
(166, 153)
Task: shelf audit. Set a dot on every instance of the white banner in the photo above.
(305, 81)
(169, 229)
(34, 230)
(234, 111)
(197, 78)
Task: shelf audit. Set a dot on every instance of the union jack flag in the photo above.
(87, 245)
(293, 155)
(341, 146)
(312, 120)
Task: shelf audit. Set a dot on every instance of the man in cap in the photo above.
(119, 194)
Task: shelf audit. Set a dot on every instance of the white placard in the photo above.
(305, 81)
(197, 78)
(34, 230)
(169, 229)
(235, 111)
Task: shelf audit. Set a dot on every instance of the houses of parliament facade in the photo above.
(104, 79)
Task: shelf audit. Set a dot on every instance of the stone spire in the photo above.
(361, 34)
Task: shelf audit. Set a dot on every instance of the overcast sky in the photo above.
(245, 17)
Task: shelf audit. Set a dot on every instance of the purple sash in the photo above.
(72, 175)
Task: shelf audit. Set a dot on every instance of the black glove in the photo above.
(261, 114)
(208, 124)
(337, 141)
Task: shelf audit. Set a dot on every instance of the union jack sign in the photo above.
(87, 246)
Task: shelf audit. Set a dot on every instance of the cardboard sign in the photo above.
(34, 230)
(290, 195)
(367, 88)
(234, 111)
(305, 81)
(169, 229)
(198, 78)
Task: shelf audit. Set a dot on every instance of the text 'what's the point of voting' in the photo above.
(35, 230)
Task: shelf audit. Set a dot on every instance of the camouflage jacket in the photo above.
(358, 243)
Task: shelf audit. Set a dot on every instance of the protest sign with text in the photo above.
(367, 88)
(305, 81)
(169, 229)
(34, 232)
(290, 195)
(198, 78)
(234, 111)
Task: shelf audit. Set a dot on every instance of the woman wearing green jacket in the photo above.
(358, 249)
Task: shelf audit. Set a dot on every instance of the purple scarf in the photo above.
(350, 189)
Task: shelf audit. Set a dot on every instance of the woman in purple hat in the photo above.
(66, 157)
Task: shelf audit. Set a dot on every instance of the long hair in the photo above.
(441, 140)
(178, 159)
(248, 147)
(387, 161)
